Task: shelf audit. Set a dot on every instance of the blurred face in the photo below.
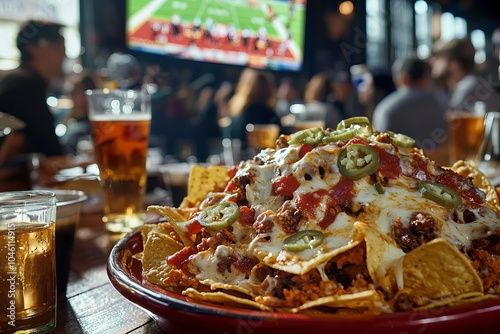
(440, 66)
(50, 56)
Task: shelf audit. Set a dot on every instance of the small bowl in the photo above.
(69, 208)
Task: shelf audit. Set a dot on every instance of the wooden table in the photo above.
(91, 304)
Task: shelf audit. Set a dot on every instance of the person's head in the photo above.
(411, 72)
(125, 69)
(41, 46)
(287, 90)
(318, 88)
(452, 60)
(253, 87)
(342, 86)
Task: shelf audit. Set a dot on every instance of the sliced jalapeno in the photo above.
(218, 216)
(312, 136)
(337, 135)
(360, 123)
(440, 194)
(307, 239)
(379, 188)
(357, 160)
(401, 140)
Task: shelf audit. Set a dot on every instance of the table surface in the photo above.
(91, 304)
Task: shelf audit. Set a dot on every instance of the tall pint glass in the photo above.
(466, 135)
(120, 134)
(27, 262)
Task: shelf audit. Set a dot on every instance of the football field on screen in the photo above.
(242, 14)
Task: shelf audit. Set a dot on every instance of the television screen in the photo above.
(261, 34)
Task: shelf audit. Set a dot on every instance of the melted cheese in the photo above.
(317, 170)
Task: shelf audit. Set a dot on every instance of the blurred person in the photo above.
(253, 102)
(23, 90)
(315, 100)
(77, 121)
(23, 93)
(453, 63)
(343, 96)
(287, 94)
(413, 109)
(207, 131)
(376, 84)
(125, 70)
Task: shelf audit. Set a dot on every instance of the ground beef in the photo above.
(421, 229)
(263, 224)
(177, 277)
(240, 182)
(347, 266)
(281, 142)
(488, 268)
(289, 218)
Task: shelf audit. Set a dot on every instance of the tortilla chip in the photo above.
(438, 270)
(202, 181)
(381, 253)
(157, 249)
(464, 299)
(224, 298)
(232, 287)
(360, 300)
(470, 168)
(174, 217)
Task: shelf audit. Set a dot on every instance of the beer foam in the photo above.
(120, 117)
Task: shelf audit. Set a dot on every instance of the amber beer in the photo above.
(27, 262)
(120, 150)
(120, 122)
(261, 136)
(466, 135)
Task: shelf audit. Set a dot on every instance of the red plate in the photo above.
(176, 314)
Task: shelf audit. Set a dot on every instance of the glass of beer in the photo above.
(27, 262)
(120, 134)
(261, 136)
(466, 132)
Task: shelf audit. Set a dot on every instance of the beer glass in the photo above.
(27, 262)
(466, 135)
(120, 134)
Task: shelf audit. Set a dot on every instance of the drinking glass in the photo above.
(466, 134)
(120, 133)
(489, 154)
(27, 262)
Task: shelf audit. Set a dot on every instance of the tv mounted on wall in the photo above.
(256, 33)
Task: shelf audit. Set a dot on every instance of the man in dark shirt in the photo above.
(23, 90)
(23, 94)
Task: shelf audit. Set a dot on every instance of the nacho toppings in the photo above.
(345, 219)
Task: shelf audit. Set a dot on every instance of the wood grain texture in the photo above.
(91, 304)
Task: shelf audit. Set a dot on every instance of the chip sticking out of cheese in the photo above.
(438, 270)
(203, 180)
(157, 249)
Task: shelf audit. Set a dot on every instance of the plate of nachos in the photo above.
(338, 230)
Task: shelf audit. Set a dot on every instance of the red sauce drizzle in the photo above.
(389, 163)
(459, 184)
(247, 215)
(304, 149)
(285, 185)
(419, 165)
(310, 201)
